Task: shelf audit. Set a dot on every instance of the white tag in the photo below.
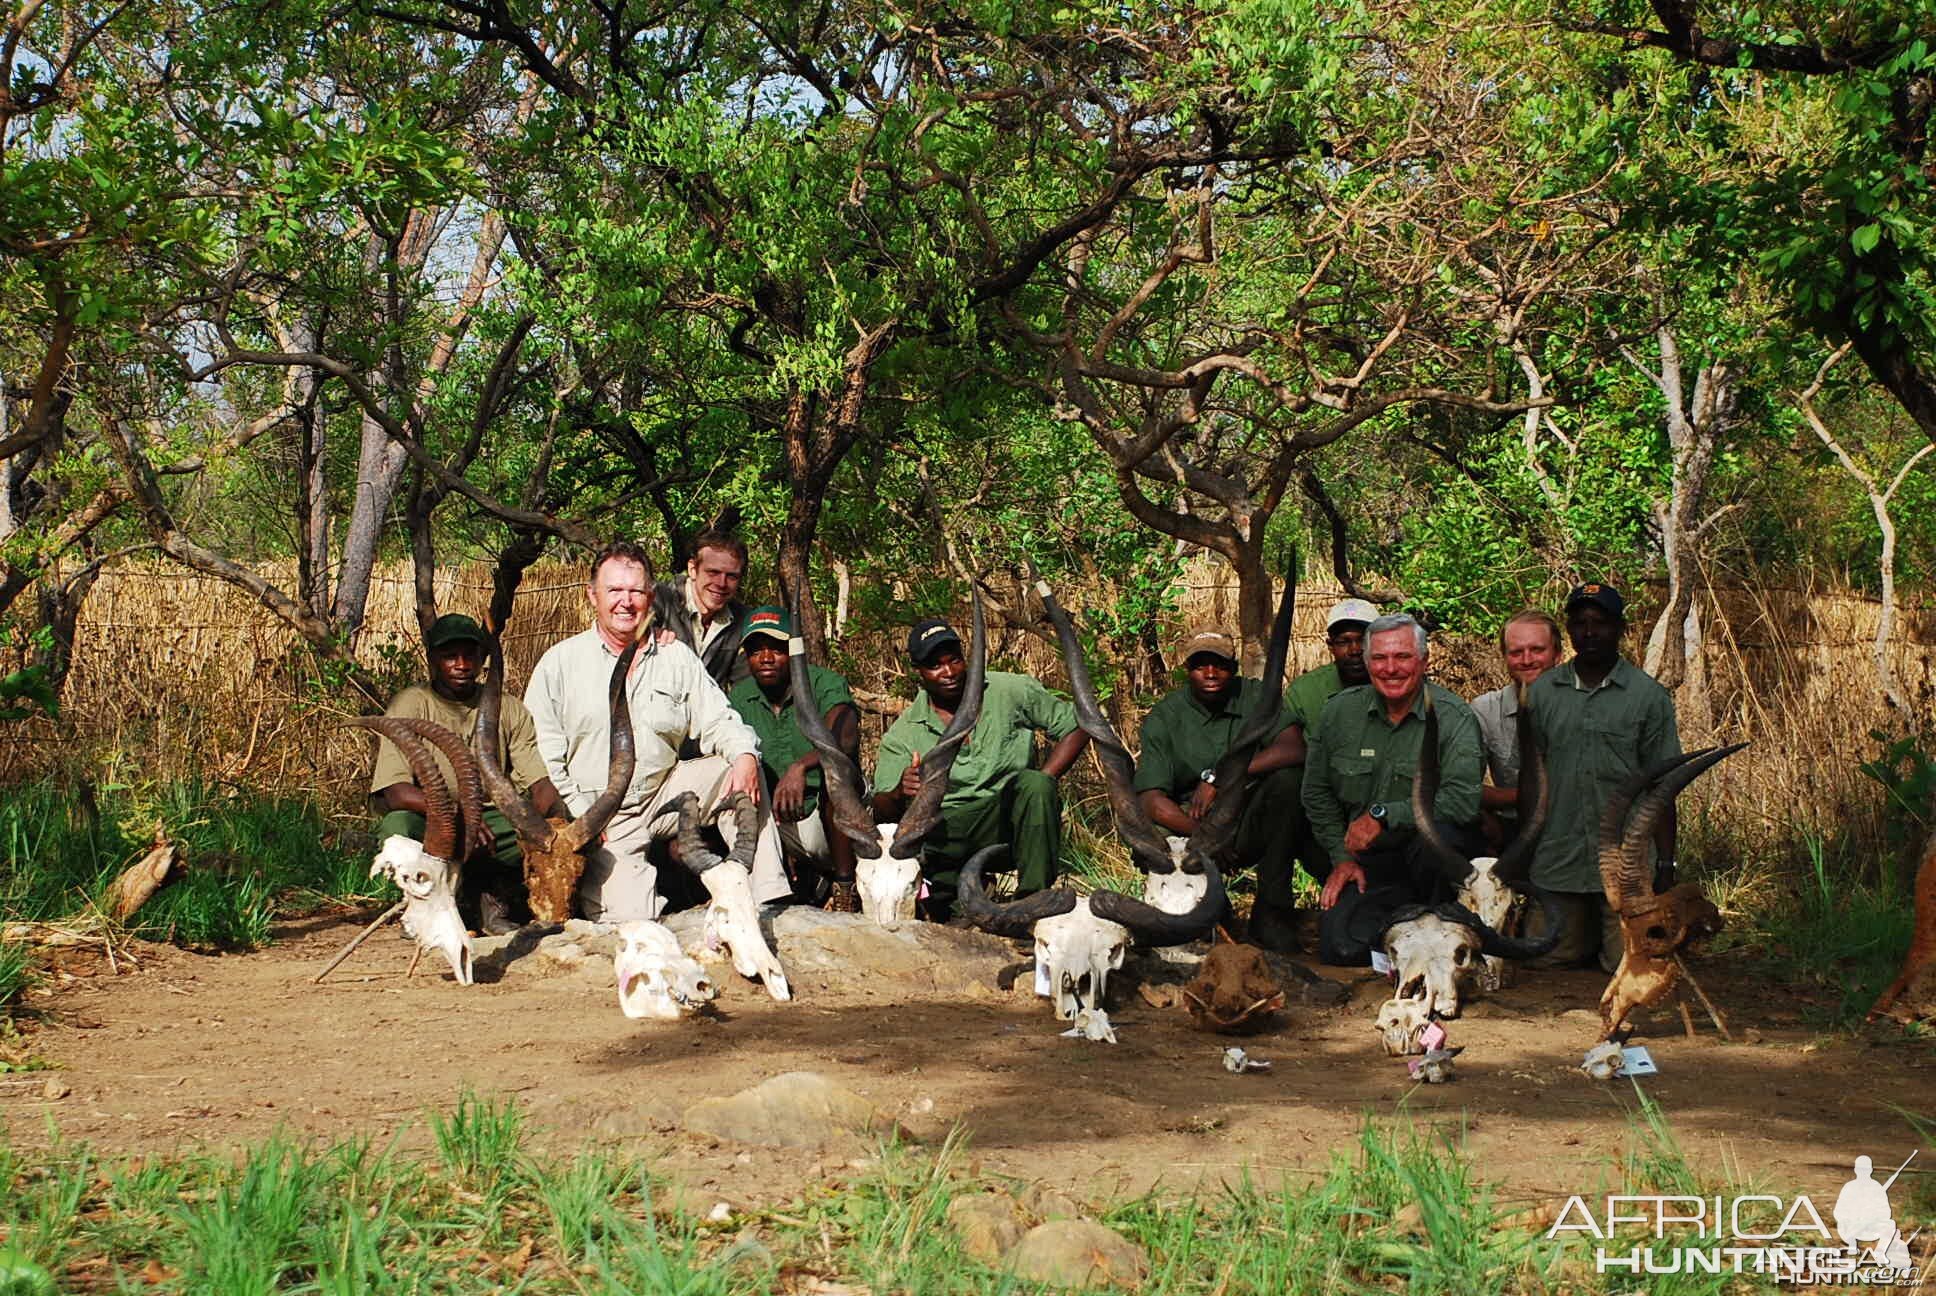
(1042, 979)
(1635, 1060)
(1367, 751)
(1380, 964)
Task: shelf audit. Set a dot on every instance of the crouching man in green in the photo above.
(491, 896)
(1187, 733)
(994, 794)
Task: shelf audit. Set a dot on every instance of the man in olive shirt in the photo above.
(1599, 718)
(492, 894)
(1359, 790)
(994, 796)
(1186, 734)
(789, 763)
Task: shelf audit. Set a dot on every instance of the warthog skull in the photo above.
(1399, 1023)
(429, 887)
(1078, 951)
(655, 977)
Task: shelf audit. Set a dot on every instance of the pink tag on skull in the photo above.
(921, 892)
(1433, 1036)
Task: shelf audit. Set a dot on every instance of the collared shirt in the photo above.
(706, 631)
(675, 606)
(1013, 707)
(517, 740)
(1358, 757)
(781, 741)
(1593, 739)
(671, 699)
(1307, 694)
(1182, 737)
(1498, 716)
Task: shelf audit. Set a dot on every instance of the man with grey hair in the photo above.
(1358, 789)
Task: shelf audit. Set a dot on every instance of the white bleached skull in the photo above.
(888, 887)
(1485, 895)
(429, 887)
(1399, 1023)
(656, 978)
(1077, 951)
(1437, 962)
(1175, 892)
(733, 920)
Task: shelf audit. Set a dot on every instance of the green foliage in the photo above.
(28, 690)
(16, 972)
(1906, 769)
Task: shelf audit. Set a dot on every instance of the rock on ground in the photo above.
(798, 1109)
(988, 1224)
(1078, 1253)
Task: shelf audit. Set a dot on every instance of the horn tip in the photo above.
(1042, 588)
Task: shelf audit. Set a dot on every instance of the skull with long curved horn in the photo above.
(1175, 880)
(554, 849)
(733, 918)
(1080, 940)
(427, 872)
(1657, 928)
(888, 871)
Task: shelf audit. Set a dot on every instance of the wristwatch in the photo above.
(1377, 811)
(1208, 776)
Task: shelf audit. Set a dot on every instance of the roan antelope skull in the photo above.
(888, 882)
(656, 978)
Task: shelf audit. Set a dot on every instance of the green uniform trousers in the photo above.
(1024, 814)
(1271, 833)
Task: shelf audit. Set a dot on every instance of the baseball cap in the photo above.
(1350, 610)
(1214, 642)
(454, 627)
(769, 620)
(929, 635)
(1604, 597)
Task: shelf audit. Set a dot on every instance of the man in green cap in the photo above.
(491, 898)
(1186, 734)
(994, 793)
(789, 764)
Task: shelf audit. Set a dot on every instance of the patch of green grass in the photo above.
(16, 972)
(250, 859)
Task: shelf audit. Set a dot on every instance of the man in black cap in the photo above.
(789, 763)
(1598, 718)
(492, 894)
(994, 793)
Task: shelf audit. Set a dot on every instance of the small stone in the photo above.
(1078, 1253)
(798, 1109)
(988, 1224)
(720, 1213)
(1408, 1219)
(1751, 1036)
(55, 1089)
(1048, 1204)
(746, 1251)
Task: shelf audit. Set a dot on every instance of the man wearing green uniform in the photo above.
(1187, 733)
(789, 763)
(1598, 719)
(491, 897)
(1359, 793)
(994, 796)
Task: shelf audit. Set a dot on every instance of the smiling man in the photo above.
(1599, 718)
(704, 611)
(491, 896)
(1530, 644)
(672, 700)
(1186, 734)
(1358, 789)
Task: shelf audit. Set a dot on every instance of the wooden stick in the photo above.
(358, 939)
(1720, 1022)
(415, 956)
(1687, 1017)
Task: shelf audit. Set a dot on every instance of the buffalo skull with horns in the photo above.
(428, 872)
(888, 884)
(1175, 879)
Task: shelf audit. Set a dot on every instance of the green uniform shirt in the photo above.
(1013, 707)
(781, 740)
(1305, 698)
(1357, 758)
(1592, 740)
(1182, 737)
(517, 741)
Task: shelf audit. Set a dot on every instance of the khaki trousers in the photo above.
(620, 883)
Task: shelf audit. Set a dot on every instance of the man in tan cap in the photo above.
(1183, 738)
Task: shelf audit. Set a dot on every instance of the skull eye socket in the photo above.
(1657, 933)
(1461, 956)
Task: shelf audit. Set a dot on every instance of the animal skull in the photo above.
(734, 921)
(1490, 898)
(888, 886)
(1075, 952)
(429, 887)
(1175, 892)
(1399, 1023)
(655, 977)
(1437, 961)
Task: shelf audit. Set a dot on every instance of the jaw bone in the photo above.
(429, 901)
(657, 979)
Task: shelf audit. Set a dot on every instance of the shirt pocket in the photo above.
(666, 712)
(1351, 779)
(1613, 741)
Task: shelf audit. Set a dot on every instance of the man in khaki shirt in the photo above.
(491, 897)
(672, 699)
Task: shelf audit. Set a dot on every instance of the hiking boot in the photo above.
(493, 917)
(1273, 928)
(843, 896)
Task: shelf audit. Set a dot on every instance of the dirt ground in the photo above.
(191, 1050)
